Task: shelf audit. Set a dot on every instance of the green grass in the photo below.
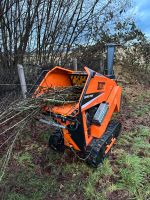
(37, 173)
(16, 196)
(134, 163)
(142, 110)
(131, 173)
(25, 158)
(28, 185)
(96, 178)
(128, 173)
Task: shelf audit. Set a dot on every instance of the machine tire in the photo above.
(56, 141)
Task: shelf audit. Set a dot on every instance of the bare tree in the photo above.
(49, 29)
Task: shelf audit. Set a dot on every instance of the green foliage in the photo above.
(146, 165)
(124, 175)
(138, 139)
(132, 173)
(142, 110)
(104, 170)
(144, 131)
(28, 185)
(133, 165)
(16, 196)
(135, 62)
(76, 168)
(141, 145)
(126, 139)
(44, 137)
(25, 159)
(96, 178)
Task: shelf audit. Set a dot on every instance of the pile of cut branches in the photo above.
(19, 113)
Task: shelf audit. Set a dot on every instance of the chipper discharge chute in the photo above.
(84, 122)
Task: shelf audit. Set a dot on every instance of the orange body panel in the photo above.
(100, 84)
(109, 93)
(54, 78)
(114, 102)
(65, 109)
(68, 140)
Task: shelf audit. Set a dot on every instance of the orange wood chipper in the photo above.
(86, 126)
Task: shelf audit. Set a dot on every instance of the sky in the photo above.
(142, 15)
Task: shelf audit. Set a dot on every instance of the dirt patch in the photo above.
(118, 195)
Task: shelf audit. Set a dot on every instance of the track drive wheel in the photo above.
(56, 141)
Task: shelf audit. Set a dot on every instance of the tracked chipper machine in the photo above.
(86, 125)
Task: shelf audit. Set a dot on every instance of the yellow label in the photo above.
(78, 79)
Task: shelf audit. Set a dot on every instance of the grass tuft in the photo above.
(132, 173)
(95, 187)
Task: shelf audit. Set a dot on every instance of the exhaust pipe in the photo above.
(108, 69)
(110, 59)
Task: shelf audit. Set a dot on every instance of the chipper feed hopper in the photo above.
(86, 125)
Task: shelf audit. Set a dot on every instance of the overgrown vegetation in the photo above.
(15, 118)
(136, 61)
(40, 173)
(45, 32)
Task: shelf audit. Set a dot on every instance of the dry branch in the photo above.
(15, 118)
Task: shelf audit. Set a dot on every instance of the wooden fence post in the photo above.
(22, 80)
(59, 62)
(75, 64)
